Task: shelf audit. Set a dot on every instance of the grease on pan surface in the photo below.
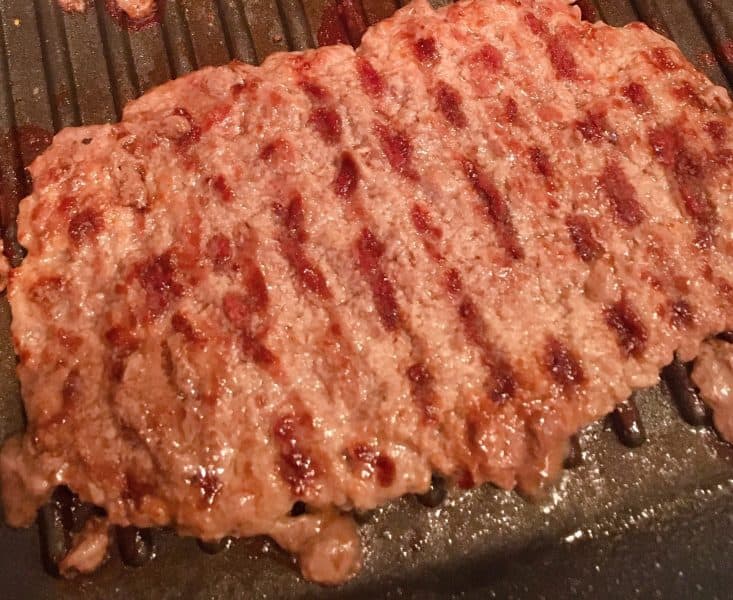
(500, 511)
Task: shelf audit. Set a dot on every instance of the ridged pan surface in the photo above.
(655, 520)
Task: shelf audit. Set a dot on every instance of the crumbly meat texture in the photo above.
(327, 277)
(713, 375)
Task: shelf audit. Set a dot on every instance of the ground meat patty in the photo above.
(327, 277)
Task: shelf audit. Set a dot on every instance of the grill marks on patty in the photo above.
(686, 172)
(559, 360)
(586, 246)
(494, 207)
(622, 195)
(398, 151)
(398, 264)
(370, 261)
(501, 382)
(293, 242)
(560, 56)
(298, 465)
(563, 364)
(245, 310)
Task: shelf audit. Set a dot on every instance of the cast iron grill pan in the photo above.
(645, 507)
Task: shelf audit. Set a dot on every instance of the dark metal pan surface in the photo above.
(655, 520)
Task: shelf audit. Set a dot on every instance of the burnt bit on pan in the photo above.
(628, 425)
(685, 394)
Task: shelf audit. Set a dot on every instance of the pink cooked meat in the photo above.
(713, 374)
(327, 277)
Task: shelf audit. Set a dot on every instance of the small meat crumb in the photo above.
(89, 548)
(135, 9)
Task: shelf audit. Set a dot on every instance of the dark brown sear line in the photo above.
(323, 118)
(541, 164)
(504, 383)
(371, 80)
(422, 388)
(292, 219)
(245, 309)
(586, 246)
(327, 123)
(562, 60)
(426, 51)
(430, 234)
(490, 57)
(372, 462)
(682, 315)
(369, 251)
(397, 149)
(450, 104)
(686, 172)
(638, 95)
(631, 333)
(595, 128)
(562, 364)
(495, 209)
(686, 93)
(622, 195)
(298, 465)
(475, 328)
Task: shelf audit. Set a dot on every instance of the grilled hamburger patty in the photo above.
(327, 277)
